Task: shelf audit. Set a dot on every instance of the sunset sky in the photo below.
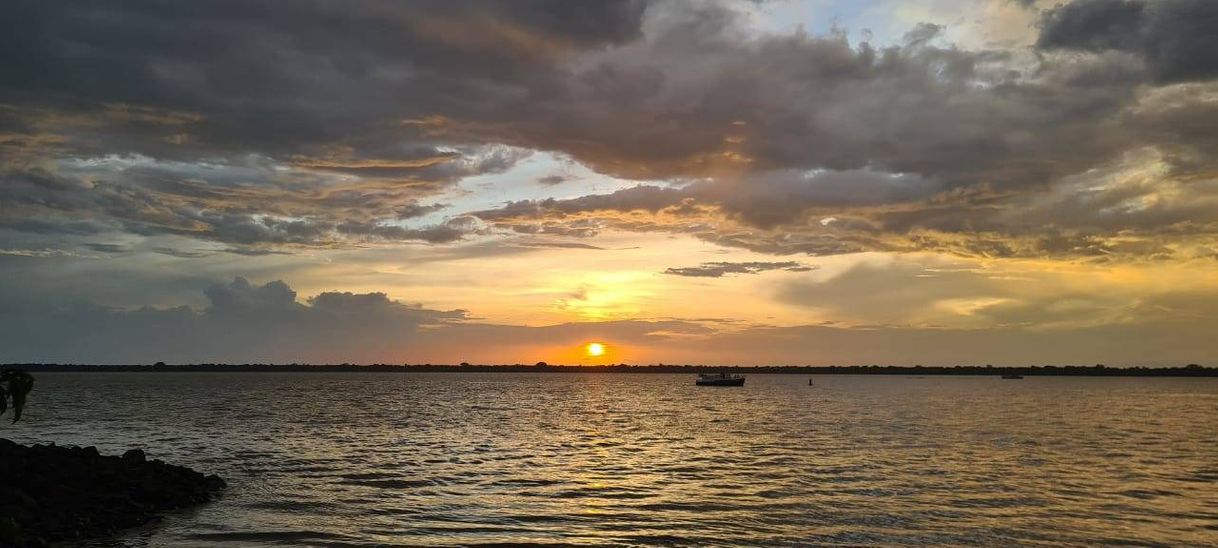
(777, 182)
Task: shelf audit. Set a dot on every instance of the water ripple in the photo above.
(333, 459)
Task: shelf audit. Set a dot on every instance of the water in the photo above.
(349, 459)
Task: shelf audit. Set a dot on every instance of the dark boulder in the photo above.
(51, 494)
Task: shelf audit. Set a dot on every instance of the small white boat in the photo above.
(719, 379)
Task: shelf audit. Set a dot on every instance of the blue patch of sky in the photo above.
(880, 22)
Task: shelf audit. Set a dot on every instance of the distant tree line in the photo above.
(1098, 370)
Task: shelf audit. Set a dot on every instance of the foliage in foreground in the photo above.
(14, 386)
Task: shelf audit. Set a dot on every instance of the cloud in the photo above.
(241, 296)
(246, 322)
(412, 210)
(904, 293)
(210, 148)
(329, 139)
(699, 95)
(181, 253)
(106, 248)
(718, 269)
(254, 251)
(561, 245)
(242, 321)
(343, 65)
(764, 200)
(253, 203)
(914, 145)
(709, 95)
(1174, 37)
(1168, 343)
(1146, 205)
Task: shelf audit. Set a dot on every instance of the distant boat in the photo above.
(1012, 376)
(719, 379)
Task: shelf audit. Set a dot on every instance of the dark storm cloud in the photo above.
(1175, 37)
(268, 77)
(696, 97)
(261, 124)
(107, 248)
(358, 89)
(1094, 25)
(325, 87)
(900, 140)
(719, 269)
(38, 226)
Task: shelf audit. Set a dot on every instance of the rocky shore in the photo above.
(50, 493)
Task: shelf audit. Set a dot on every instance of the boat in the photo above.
(1012, 376)
(719, 379)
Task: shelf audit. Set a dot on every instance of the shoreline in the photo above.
(56, 493)
(1191, 370)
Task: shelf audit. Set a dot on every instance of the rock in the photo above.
(52, 494)
(215, 482)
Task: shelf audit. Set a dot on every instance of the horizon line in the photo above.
(1191, 369)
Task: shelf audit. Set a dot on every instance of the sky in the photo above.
(811, 182)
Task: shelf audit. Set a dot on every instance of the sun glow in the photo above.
(595, 349)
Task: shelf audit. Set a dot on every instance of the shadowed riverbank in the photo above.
(1191, 370)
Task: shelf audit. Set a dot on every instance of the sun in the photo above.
(595, 349)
